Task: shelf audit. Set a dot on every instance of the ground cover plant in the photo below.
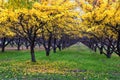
(74, 63)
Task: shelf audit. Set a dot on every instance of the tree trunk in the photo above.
(18, 44)
(63, 45)
(47, 52)
(18, 47)
(3, 44)
(108, 55)
(3, 48)
(101, 50)
(108, 52)
(54, 46)
(118, 43)
(26, 44)
(32, 53)
(49, 45)
(27, 47)
(59, 45)
(95, 48)
(54, 50)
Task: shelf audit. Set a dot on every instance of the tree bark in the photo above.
(101, 49)
(108, 55)
(32, 53)
(26, 44)
(59, 45)
(54, 46)
(108, 52)
(47, 52)
(18, 47)
(3, 48)
(18, 44)
(49, 45)
(118, 43)
(3, 44)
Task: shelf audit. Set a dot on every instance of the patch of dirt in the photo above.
(23, 48)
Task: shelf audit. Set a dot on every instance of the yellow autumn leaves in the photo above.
(102, 18)
(61, 16)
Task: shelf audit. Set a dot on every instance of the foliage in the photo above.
(100, 21)
(38, 20)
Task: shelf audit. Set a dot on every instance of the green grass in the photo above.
(74, 63)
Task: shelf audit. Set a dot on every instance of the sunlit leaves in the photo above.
(55, 16)
(104, 14)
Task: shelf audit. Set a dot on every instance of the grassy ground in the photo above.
(74, 63)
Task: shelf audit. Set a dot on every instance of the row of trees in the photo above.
(101, 25)
(45, 22)
(56, 23)
(21, 43)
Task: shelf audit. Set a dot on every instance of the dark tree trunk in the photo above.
(95, 47)
(54, 46)
(18, 47)
(26, 44)
(32, 53)
(49, 45)
(3, 44)
(63, 44)
(18, 44)
(47, 52)
(108, 55)
(54, 50)
(59, 45)
(3, 48)
(108, 52)
(27, 47)
(118, 43)
(101, 49)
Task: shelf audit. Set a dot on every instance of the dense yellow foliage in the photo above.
(102, 18)
(52, 16)
(59, 17)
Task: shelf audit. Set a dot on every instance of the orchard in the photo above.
(56, 25)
